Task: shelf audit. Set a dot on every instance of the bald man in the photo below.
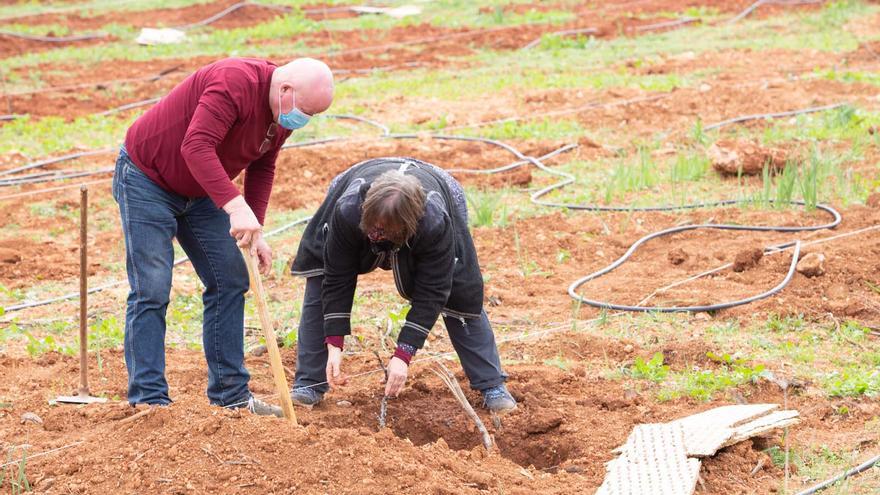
(174, 177)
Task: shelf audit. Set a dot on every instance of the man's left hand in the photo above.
(397, 371)
(264, 254)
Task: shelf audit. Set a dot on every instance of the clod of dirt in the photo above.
(543, 422)
(742, 156)
(747, 259)
(812, 265)
(677, 256)
(9, 256)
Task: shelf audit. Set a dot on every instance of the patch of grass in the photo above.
(704, 384)
(106, 333)
(559, 362)
(688, 167)
(653, 369)
(788, 323)
(37, 346)
(628, 178)
(527, 266)
(530, 129)
(488, 208)
(853, 381)
(50, 135)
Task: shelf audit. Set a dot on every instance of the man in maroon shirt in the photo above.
(174, 179)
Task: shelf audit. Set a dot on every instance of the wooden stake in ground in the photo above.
(83, 396)
(269, 334)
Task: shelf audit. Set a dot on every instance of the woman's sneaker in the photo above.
(498, 399)
(260, 408)
(306, 396)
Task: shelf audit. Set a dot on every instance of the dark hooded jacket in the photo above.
(436, 269)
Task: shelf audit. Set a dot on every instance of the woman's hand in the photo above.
(397, 372)
(335, 377)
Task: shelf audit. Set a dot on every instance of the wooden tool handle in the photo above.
(269, 333)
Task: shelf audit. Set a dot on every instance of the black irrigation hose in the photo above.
(776, 115)
(569, 178)
(53, 39)
(842, 476)
(566, 179)
(52, 176)
(110, 285)
(129, 106)
(567, 32)
(58, 159)
(228, 10)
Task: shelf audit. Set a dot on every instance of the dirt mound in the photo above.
(747, 259)
(745, 157)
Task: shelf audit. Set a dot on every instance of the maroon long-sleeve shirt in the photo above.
(209, 129)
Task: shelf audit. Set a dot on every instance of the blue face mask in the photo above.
(292, 120)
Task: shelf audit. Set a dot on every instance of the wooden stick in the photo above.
(269, 333)
(83, 291)
(449, 380)
(140, 414)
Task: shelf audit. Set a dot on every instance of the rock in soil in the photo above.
(747, 259)
(742, 156)
(812, 265)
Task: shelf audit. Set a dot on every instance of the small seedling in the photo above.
(653, 369)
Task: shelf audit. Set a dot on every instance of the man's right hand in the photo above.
(244, 226)
(335, 377)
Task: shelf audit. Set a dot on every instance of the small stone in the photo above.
(705, 87)
(343, 403)
(812, 265)
(258, 350)
(30, 417)
(628, 348)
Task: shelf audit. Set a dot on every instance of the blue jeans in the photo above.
(151, 218)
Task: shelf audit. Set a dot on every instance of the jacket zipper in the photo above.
(395, 268)
(379, 258)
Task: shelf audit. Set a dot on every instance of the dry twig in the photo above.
(449, 379)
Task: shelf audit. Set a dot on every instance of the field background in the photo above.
(638, 96)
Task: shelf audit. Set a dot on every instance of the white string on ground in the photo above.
(41, 454)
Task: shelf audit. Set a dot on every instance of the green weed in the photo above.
(559, 362)
(488, 208)
(704, 384)
(652, 369)
(853, 381)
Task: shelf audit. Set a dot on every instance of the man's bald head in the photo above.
(306, 82)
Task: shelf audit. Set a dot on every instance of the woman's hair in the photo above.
(396, 202)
